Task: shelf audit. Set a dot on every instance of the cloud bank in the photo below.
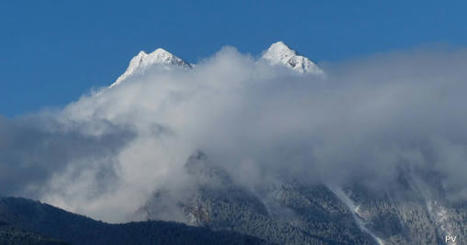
(105, 154)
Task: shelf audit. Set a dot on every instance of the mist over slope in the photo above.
(106, 154)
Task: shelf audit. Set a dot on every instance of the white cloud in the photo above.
(106, 153)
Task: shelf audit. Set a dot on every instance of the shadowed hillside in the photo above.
(18, 214)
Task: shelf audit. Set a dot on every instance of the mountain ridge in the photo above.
(44, 219)
(277, 54)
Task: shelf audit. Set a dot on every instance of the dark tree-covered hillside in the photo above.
(25, 219)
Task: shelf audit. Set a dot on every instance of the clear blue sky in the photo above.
(52, 51)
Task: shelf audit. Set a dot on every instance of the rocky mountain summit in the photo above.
(277, 54)
(280, 54)
(159, 57)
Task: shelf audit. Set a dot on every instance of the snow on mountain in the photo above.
(355, 210)
(142, 61)
(280, 53)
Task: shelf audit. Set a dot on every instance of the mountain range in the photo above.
(218, 209)
(413, 211)
(277, 54)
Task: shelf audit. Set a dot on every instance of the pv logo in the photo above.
(450, 238)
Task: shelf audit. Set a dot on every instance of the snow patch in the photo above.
(357, 215)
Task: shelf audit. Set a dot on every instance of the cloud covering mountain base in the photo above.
(107, 153)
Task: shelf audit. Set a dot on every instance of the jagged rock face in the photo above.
(290, 212)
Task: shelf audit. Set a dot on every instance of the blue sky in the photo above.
(52, 51)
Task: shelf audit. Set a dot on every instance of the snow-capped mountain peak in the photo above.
(162, 56)
(277, 54)
(280, 53)
(142, 61)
